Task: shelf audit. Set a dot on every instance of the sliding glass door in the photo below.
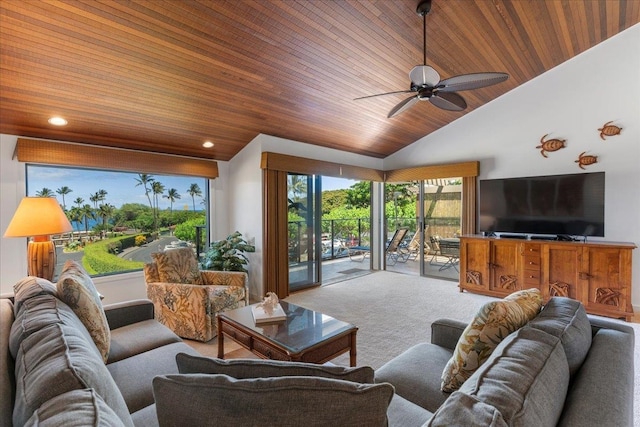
(303, 201)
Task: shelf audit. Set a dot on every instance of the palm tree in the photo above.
(45, 192)
(172, 195)
(102, 195)
(157, 188)
(74, 214)
(95, 198)
(78, 201)
(64, 190)
(105, 211)
(145, 180)
(86, 213)
(194, 190)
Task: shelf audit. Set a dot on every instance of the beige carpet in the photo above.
(393, 312)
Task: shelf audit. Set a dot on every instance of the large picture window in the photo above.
(120, 218)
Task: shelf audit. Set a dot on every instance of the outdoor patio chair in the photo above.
(435, 249)
(412, 250)
(393, 251)
(450, 250)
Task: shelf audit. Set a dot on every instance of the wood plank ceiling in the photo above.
(166, 75)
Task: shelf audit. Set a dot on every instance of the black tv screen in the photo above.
(544, 205)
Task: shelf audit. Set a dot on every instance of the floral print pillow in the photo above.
(76, 289)
(178, 266)
(493, 322)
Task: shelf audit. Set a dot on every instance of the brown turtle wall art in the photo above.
(586, 160)
(608, 129)
(550, 145)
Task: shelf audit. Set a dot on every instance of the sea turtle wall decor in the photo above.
(586, 160)
(608, 129)
(550, 145)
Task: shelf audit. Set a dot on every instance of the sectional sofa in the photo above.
(561, 368)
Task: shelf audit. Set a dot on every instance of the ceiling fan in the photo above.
(426, 83)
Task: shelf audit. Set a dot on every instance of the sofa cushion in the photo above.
(133, 375)
(567, 319)
(56, 359)
(8, 382)
(463, 410)
(602, 394)
(415, 374)
(257, 368)
(29, 287)
(402, 412)
(494, 321)
(77, 290)
(137, 338)
(526, 379)
(178, 266)
(77, 408)
(282, 401)
(39, 312)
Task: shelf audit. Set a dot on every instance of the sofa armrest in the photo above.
(446, 332)
(128, 312)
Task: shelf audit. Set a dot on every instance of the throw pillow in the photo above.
(76, 289)
(178, 266)
(493, 322)
(257, 368)
(284, 401)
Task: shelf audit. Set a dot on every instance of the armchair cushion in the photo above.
(282, 401)
(178, 266)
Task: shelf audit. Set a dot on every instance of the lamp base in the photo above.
(41, 259)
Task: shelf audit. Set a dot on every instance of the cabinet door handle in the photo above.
(584, 275)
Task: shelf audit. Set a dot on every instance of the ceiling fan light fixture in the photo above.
(424, 75)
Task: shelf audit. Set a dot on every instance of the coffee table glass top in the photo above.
(303, 328)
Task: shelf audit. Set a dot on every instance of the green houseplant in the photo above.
(227, 254)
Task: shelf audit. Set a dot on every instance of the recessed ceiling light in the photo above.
(207, 144)
(57, 121)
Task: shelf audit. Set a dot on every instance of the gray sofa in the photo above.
(60, 377)
(563, 368)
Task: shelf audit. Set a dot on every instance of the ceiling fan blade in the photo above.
(471, 81)
(382, 94)
(399, 108)
(424, 75)
(448, 101)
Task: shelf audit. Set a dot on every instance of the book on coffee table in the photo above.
(260, 316)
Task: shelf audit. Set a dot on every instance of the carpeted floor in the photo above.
(393, 312)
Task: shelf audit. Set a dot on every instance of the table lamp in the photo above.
(39, 217)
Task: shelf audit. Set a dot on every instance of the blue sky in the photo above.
(120, 186)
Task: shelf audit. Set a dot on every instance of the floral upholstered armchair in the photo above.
(187, 299)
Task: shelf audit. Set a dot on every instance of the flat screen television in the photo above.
(562, 205)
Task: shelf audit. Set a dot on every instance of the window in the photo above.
(120, 218)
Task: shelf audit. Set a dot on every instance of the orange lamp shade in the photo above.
(39, 217)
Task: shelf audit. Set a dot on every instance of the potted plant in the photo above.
(227, 254)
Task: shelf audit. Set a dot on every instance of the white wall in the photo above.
(569, 102)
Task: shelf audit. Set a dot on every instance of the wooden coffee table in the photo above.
(306, 335)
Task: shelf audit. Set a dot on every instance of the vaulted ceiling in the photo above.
(167, 75)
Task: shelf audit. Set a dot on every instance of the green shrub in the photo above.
(187, 230)
(99, 257)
